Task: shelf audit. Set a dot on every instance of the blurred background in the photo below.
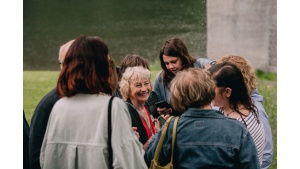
(132, 26)
(209, 28)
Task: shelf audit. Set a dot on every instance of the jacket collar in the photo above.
(203, 113)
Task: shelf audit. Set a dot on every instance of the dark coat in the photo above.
(38, 127)
(25, 143)
(137, 122)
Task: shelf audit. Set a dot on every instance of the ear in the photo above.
(228, 91)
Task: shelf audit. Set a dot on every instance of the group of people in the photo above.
(222, 121)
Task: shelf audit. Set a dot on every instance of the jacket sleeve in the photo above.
(38, 127)
(247, 157)
(127, 150)
(158, 86)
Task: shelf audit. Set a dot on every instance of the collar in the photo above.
(193, 112)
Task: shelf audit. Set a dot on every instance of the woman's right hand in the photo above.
(135, 132)
(164, 111)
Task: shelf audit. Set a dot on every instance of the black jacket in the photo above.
(38, 127)
(137, 122)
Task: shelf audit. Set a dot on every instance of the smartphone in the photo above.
(163, 104)
(161, 120)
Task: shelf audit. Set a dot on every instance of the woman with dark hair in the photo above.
(234, 100)
(251, 82)
(205, 137)
(174, 57)
(77, 134)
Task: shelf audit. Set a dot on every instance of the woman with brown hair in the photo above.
(232, 96)
(77, 135)
(174, 57)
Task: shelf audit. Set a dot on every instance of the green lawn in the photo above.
(38, 83)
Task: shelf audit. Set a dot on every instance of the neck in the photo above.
(206, 107)
(138, 105)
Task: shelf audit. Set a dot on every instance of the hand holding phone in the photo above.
(163, 104)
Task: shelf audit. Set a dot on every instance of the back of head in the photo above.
(132, 60)
(225, 75)
(245, 67)
(85, 68)
(132, 74)
(192, 87)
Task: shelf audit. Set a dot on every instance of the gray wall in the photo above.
(243, 27)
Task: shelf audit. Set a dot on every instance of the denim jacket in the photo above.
(207, 139)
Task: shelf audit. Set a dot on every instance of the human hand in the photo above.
(145, 146)
(135, 132)
(156, 126)
(165, 116)
(164, 111)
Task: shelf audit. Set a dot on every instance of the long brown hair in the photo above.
(86, 68)
(176, 48)
(226, 74)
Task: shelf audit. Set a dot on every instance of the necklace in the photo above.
(230, 113)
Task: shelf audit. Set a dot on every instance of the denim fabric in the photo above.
(207, 139)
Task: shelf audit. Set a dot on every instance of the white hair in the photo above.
(132, 74)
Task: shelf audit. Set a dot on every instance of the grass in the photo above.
(38, 83)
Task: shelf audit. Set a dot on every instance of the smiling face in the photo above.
(173, 64)
(140, 90)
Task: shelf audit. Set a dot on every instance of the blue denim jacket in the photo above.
(207, 139)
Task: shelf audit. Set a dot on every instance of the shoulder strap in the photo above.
(174, 136)
(110, 155)
(161, 140)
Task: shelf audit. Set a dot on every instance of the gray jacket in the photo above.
(76, 135)
(263, 117)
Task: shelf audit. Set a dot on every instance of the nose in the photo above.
(170, 66)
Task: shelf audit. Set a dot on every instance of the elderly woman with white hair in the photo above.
(135, 87)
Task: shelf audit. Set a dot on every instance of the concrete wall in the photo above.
(243, 27)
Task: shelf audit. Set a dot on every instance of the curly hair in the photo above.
(245, 67)
(132, 74)
(192, 87)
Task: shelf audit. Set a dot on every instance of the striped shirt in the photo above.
(256, 130)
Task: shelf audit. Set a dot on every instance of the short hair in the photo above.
(192, 87)
(245, 67)
(132, 60)
(63, 51)
(176, 48)
(85, 68)
(132, 74)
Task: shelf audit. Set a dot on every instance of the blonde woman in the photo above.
(135, 87)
